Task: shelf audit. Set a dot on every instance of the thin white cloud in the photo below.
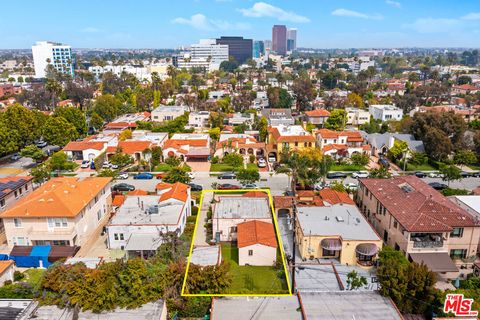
(262, 9)
(356, 14)
(471, 16)
(395, 4)
(201, 22)
(434, 25)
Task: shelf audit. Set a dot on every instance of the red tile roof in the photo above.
(334, 197)
(83, 145)
(416, 205)
(281, 202)
(131, 147)
(279, 138)
(255, 194)
(318, 113)
(138, 192)
(118, 200)
(178, 191)
(256, 232)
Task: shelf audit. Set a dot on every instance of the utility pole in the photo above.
(294, 211)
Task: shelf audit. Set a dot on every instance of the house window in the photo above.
(99, 214)
(328, 253)
(57, 223)
(2, 203)
(456, 233)
(456, 254)
(118, 236)
(395, 224)
(250, 252)
(96, 199)
(16, 194)
(17, 222)
(296, 144)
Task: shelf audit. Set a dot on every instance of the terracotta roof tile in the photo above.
(4, 265)
(83, 145)
(416, 205)
(132, 146)
(318, 113)
(177, 191)
(58, 197)
(118, 200)
(256, 232)
(334, 197)
(255, 194)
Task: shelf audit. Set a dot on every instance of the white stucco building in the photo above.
(385, 112)
(56, 54)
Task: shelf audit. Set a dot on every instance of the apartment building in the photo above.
(12, 190)
(357, 117)
(50, 53)
(166, 113)
(198, 119)
(283, 138)
(318, 117)
(63, 211)
(417, 220)
(385, 112)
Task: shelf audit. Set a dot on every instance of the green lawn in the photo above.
(475, 167)
(221, 167)
(419, 167)
(253, 279)
(346, 167)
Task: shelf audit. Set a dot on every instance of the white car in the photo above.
(262, 163)
(113, 166)
(360, 174)
(123, 175)
(191, 175)
(85, 164)
(351, 186)
(106, 165)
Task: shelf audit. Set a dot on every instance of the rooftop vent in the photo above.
(339, 219)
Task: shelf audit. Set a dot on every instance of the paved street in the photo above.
(277, 183)
(19, 167)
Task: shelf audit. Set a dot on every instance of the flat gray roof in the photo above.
(149, 311)
(146, 242)
(90, 263)
(135, 210)
(348, 305)
(256, 308)
(242, 208)
(206, 256)
(343, 220)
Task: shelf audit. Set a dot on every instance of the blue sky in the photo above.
(169, 24)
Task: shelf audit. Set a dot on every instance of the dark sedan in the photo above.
(195, 187)
(420, 174)
(227, 175)
(121, 187)
(438, 185)
(336, 175)
(228, 186)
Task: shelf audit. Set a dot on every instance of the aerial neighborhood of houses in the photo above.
(275, 182)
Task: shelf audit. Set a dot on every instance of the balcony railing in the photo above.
(54, 231)
(427, 244)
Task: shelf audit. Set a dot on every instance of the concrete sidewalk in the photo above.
(201, 233)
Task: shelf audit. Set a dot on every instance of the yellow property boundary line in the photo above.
(279, 240)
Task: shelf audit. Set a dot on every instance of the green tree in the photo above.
(214, 133)
(450, 173)
(246, 176)
(59, 161)
(58, 131)
(279, 98)
(74, 116)
(177, 174)
(215, 120)
(233, 159)
(355, 281)
(156, 156)
(358, 159)
(337, 120)
(355, 100)
(107, 107)
(121, 159)
(96, 121)
(40, 173)
(304, 92)
(173, 161)
(22, 122)
(466, 157)
(33, 152)
(399, 150)
(8, 139)
(380, 173)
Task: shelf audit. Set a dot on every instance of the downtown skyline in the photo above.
(322, 24)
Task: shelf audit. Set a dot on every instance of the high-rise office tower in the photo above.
(279, 39)
(206, 54)
(239, 48)
(291, 39)
(56, 54)
(258, 49)
(267, 44)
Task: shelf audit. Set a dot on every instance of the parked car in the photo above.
(113, 166)
(420, 174)
(351, 186)
(85, 164)
(360, 174)
(123, 175)
(438, 185)
(289, 193)
(336, 175)
(195, 187)
(143, 176)
(433, 175)
(15, 157)
(466, 174)
(321, 185)
(227, 175)
(228, 186)
(123, 187)
(272, 159)
(161, 175)
(261, 163)
(383, 162)
(191, 175)
(249, 186)
(41, 144)
(106, 165)
(476, 174)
